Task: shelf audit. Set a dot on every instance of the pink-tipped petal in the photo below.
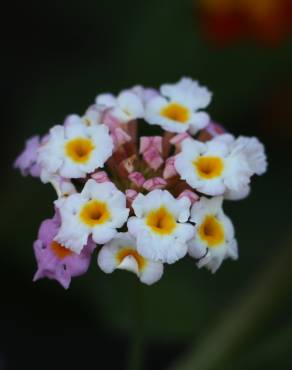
(151, 149)
(153, 158)
(109, 119)
(137, 178)
(169, 169)
(119, 136)
(100, 177)
(131, 195)
(193, 197)
(155, 183)
(148, 142)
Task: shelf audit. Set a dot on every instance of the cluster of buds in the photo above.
(142, 201)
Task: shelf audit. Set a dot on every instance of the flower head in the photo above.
(98, 211)
(214, 239)
(121, 253)
(177, 108)
(160, 226)
(103, 172)
(56, 261)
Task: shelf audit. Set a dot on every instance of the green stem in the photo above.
(264, 295)
(136, 354)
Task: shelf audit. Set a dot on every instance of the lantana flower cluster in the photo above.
(142, 201)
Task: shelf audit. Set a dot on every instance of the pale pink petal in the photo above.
(131, 195)
(153, 158)
(193, 197)
(169, 169)
(109, 119)
(137, 178)
(119, 136)
(155, 183)
(100, 177)
(148, 142)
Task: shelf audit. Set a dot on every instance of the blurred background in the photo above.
(56, 57)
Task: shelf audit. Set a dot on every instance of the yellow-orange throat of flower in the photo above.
(94, 213)
(128, 251)
(176, 112)
(60, 251)
(79, 149)
(161, 221)
(209, 167)
(211, 231)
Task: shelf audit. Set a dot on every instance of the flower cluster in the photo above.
(144, 201)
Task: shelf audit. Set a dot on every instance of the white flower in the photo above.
(177, 108)
(254, 152)
(98, 211)
(126, 107)
(160, 226)
(121, 253)
(74, 150)
(214, 239)
(255, 155)
(213, 168)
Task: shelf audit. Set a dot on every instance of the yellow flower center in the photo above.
(212, 231)
(60, 251)
(128, 251)
(79, 149)
(209, 167)
(94, 213)
(161, 221)
(176, 112)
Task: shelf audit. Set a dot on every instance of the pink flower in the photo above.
(55, 261)
(119, 136)
(131, 195)
(109, 119)
(100, 177)
(137, 178)
(26, 162)
(151, 149)
(193, 197)
(169, 169)
(155, 183)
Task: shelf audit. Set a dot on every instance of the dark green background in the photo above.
(57, 56)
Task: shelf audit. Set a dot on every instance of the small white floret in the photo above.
(221, 166)
(214, 239)
(127, 106)
(99, 210)
(178, 108)
(161, 226)
(75, 149)
(121, 253)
